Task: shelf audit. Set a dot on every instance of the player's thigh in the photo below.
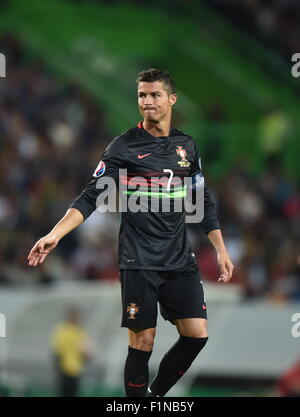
(139, 299)
(192, 327)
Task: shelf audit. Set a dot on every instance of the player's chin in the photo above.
(151, 116)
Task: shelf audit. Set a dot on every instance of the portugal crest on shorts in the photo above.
(132, 310)
(182, 153)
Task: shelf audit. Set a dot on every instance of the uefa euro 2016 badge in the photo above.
(182, 153)
(99, 170)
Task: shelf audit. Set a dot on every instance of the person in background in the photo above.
(70, 346)
(289, 383)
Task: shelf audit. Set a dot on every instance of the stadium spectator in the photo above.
(276, 23)
(71, 350)
(289, 383)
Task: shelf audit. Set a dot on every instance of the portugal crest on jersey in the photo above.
(182, 153)
(132, 310)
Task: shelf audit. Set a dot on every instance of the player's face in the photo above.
(155, 103)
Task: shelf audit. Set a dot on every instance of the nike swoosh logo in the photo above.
(136, 385)
(143, 156)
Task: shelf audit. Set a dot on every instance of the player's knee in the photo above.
(195, 335)
(143, 340)
(196, 332)
(195, 343)
(199, 334)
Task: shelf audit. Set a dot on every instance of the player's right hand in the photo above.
(41, 249)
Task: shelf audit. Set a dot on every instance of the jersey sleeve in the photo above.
(210, 220)
(112, 160)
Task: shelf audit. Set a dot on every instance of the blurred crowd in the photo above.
(261, 224)
(276, 22)
(52, 135)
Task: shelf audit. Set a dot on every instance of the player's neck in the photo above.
(161, 128)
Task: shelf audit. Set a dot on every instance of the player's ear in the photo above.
(172, 99)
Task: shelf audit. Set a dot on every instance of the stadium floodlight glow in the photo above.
(2, 65)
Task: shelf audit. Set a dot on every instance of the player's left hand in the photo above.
(226, 267)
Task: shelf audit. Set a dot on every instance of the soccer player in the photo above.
(156, 261)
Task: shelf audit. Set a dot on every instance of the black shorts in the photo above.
(179, 293)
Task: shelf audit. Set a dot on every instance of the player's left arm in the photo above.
(211, 226)
(224, 261)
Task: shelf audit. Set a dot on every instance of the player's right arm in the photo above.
(84, 205)
(72, 219)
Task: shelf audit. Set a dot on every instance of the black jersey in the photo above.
(153, 240)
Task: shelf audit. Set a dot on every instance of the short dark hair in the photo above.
(152, 74)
